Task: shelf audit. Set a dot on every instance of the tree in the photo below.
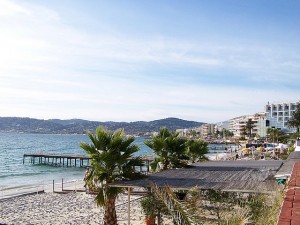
(170, 149)
(197, 149)
(249, 126)
(227, 133)
(173, 151)
(218, 133)
(225, 207)
(276, 135)
(294, 121)
(193, 133)
(243, 132)
(112, 160)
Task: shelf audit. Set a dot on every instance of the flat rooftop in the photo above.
(237, 175)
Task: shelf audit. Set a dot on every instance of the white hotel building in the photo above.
(278, 114)
(237, 125)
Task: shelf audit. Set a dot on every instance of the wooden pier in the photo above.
(76, 160)
(58, 160)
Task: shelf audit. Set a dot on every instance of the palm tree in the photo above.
(249, 126)
(170, 149)
(197, 149)
(193, 208)
(243, 132)
(273, 134)
(112, 160)
(295, 118)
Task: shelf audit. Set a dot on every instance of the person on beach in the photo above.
(87, 172)
(236, 156)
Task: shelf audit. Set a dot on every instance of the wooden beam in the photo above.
(129, 191)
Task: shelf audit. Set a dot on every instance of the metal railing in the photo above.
(68, 185)
(62, 186)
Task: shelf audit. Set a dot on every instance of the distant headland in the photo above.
(79, 126)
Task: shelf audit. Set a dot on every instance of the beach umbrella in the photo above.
(260, 149)
(245, 150)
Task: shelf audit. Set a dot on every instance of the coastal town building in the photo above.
(207, 129)
(190, 133)
(278, 115)
(261, 128)
(182, 132)
(222, 125)
(237, 125)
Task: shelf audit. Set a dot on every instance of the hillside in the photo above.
(78, 126)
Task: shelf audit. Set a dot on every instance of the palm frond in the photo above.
(112, 160)
(100, 197)
(176, 210)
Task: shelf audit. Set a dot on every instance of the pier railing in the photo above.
(58, 160)
(76, 161)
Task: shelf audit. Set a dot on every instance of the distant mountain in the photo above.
(78, 126)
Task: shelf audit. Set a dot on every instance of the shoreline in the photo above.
(70, 208)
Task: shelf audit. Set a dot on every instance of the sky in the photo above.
(140, 60)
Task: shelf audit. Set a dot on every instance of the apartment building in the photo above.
(207, 129)
(222, 125)
(278, 114)
(237, 125)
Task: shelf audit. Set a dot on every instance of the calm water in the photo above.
(12, 147)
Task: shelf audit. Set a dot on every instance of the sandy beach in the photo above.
(71, 208)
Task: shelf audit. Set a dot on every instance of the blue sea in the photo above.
(14, 145)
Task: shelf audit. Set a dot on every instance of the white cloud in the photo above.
(10, 8)
(49, 69)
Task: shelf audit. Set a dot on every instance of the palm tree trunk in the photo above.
(110, 215)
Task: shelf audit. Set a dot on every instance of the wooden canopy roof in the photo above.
(238, 175)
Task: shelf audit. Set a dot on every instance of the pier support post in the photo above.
(129, 192)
